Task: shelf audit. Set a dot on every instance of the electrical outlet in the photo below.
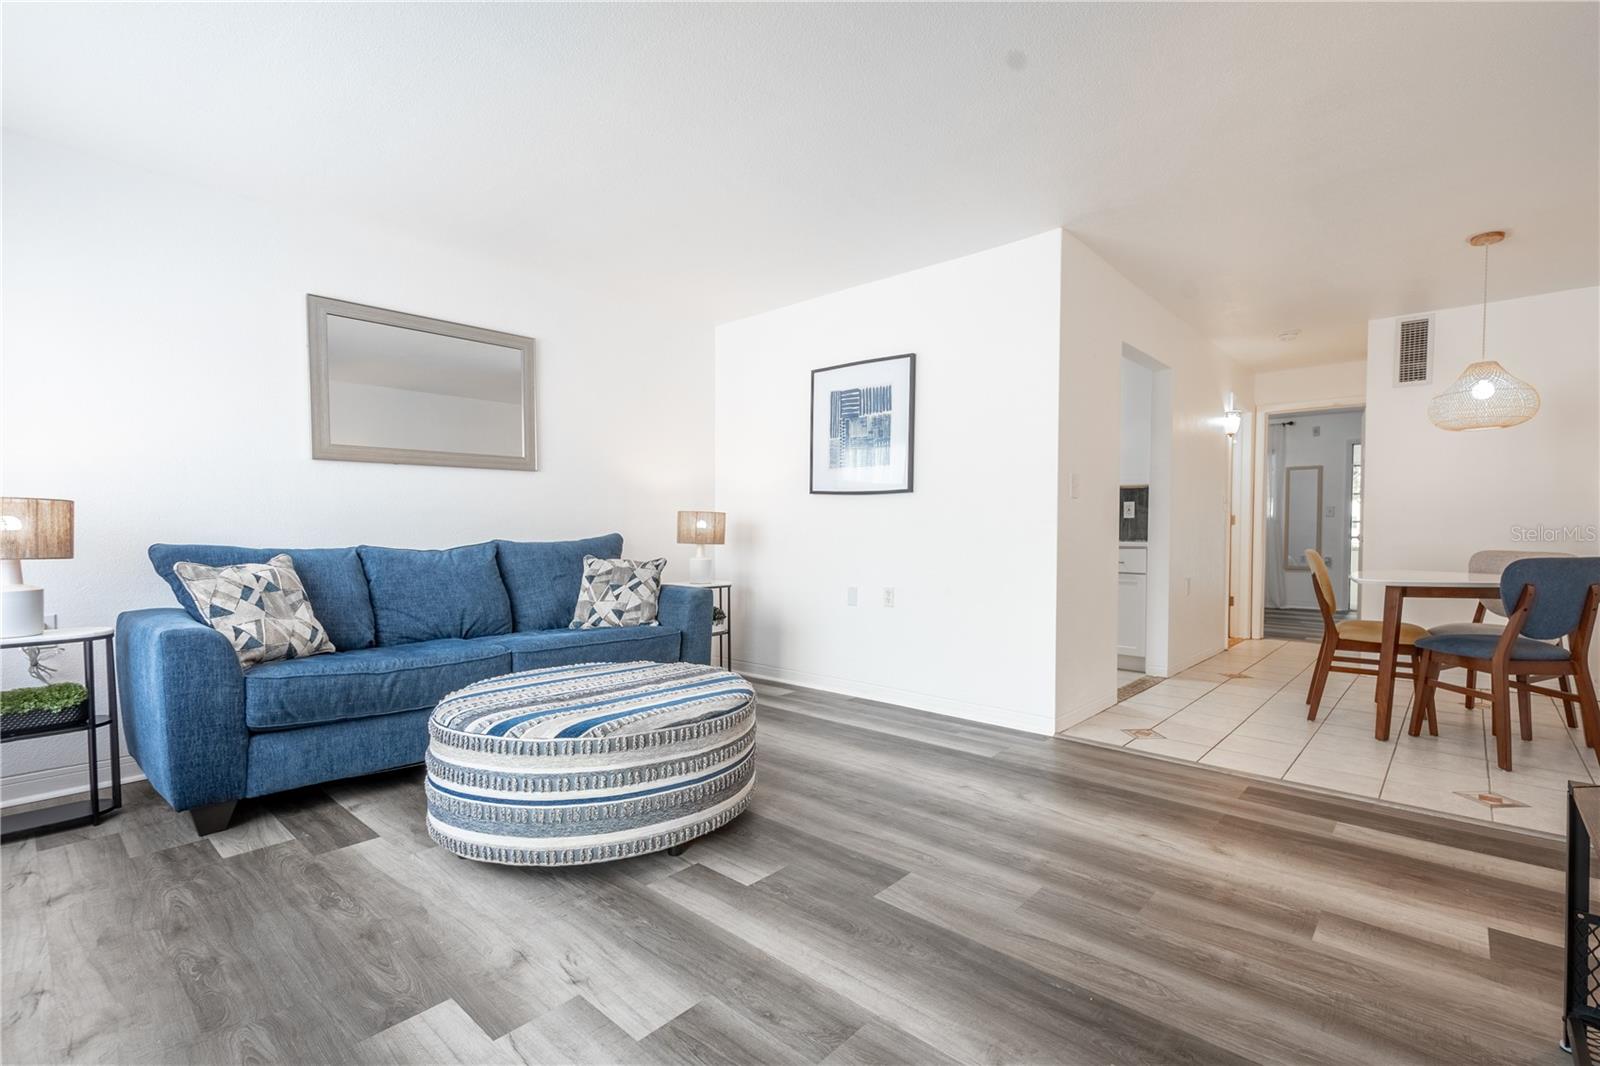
(1073, 481)
(850, 597)
(1188, 585)
(1129, 509)
(888, 596)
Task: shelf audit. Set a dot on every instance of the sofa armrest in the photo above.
(182, 695)
(688, 610)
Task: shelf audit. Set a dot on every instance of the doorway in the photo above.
(1143, 542)
(1312, 503)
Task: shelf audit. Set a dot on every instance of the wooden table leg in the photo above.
(1394, 598)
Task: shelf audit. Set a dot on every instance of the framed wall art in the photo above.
(861, 426)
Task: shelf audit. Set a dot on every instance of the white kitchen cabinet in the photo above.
(1130, 620)
(1131, 568)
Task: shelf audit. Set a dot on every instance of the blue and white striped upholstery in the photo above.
(576, 764)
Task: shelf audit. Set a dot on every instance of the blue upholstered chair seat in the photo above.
(559, 647)
(1482, 645)
(366, 682)
(1457, 629)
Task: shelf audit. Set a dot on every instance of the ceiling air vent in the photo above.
(1411, 362)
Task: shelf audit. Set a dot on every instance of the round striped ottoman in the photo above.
(577, 764)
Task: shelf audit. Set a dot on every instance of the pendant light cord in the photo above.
(1483, 330)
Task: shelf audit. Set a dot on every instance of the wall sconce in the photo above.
(1232, 419)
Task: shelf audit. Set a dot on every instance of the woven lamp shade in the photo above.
(1485, 396)
(702, 527)
(35, 529)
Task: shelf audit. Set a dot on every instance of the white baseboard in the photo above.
(57, 781)
(921, 701)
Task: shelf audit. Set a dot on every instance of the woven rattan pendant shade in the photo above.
(1485, 396)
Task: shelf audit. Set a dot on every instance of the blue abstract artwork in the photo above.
(863, 415)
(860, 426)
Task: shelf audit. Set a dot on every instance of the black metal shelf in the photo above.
(77, 727)
(91, 809)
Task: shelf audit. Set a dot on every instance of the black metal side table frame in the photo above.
(87, 811)
(722, 636)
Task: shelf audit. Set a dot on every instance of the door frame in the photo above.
(1258, 503)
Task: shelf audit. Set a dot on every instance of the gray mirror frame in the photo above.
(318, 308)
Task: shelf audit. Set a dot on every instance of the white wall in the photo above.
(1101, 311)
(1331, 383)
(971, 552)
(156, 372)
(1434, 497)
(1138, 385)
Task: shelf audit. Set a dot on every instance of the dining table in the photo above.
(1399, 586)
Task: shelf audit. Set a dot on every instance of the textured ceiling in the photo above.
(1257, 168)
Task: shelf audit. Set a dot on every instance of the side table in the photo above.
(1581, 1010)
(721, 632)
(86, 811)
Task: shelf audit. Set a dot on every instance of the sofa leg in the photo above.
(213, 817)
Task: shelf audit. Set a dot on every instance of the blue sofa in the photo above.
(409, 626)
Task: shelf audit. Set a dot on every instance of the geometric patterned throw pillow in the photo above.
(260, 607)
(618, 592)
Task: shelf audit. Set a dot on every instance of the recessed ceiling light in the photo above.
(1288, 335)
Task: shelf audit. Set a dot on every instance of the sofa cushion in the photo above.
(542, 576)
(433, 595)
(335, 583)
(562, 647)
(370, 681)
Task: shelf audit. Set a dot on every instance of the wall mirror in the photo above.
(388, 387)
(1302, 515)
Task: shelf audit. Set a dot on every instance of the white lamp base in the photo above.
(702, 570)
(21, 610)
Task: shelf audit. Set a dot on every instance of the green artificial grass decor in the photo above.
(58, 697)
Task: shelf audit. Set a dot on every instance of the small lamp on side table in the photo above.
(29, 529)
(701, 528)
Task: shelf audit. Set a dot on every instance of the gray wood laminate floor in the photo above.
(904, 888)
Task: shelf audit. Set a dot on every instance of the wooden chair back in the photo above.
(1322, 585)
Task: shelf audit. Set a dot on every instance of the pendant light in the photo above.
(1486, 395)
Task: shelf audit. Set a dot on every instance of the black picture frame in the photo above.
(911, 428)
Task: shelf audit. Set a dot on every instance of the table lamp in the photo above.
(29, 529)
(701, 528)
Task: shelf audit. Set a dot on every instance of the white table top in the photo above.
(1443, 579)
(58, 636)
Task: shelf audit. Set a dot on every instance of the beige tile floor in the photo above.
(1244, 710)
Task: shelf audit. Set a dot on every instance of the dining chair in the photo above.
(1554, 598)
(1351, 635)
(1494, 561)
